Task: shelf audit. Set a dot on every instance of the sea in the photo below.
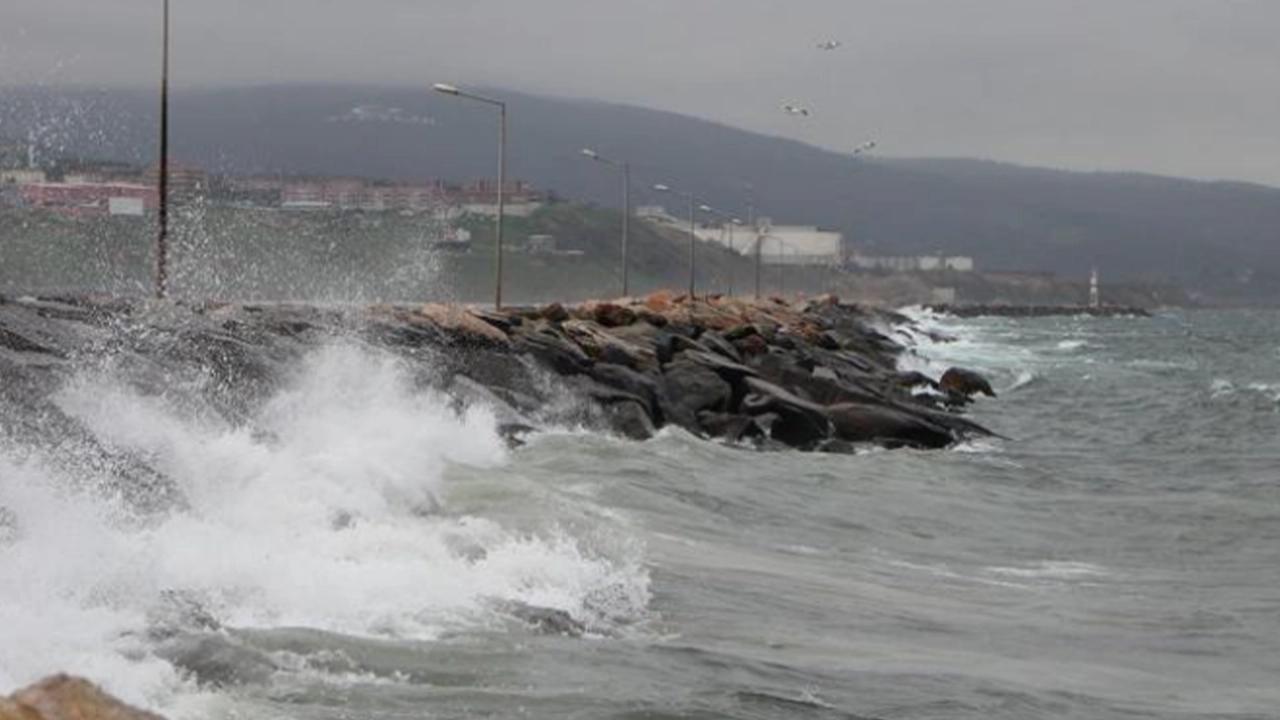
(359, 547)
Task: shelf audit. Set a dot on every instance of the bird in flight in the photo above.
(865, 147)
(829, 45)
(796, 110)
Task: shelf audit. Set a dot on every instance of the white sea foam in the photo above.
(326, 516)
(1051, 570)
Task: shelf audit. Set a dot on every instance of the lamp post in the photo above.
(626, 210)
(502, 175)
(727, 221)
(693, 238)
(162, 207)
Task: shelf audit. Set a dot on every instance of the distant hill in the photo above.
(1220, 239)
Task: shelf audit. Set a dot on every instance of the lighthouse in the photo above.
(1094, 300)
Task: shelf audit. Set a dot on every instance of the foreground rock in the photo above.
(62, 697)
(813, 375)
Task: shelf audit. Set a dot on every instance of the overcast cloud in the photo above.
(1182, 87)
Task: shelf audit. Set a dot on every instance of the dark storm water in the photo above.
(1118, 556)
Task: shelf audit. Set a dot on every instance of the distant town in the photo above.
(96, 189)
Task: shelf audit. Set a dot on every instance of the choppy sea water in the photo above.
(359, 550)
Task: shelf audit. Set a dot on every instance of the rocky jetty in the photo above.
(62, 697)
(815, 375)
(969, 311)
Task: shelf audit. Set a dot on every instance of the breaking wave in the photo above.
(330, 509)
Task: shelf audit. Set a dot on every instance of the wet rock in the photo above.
(462, 325)
(714, 342)
(799, 423)
(730, 426)
(545, 620)
(630, 419)
(690, 387)
(555, 351)
(914, 379)
(752, 346)
(638, 384)
(611, 316)
(63, 697)
(555, 313)
(887, 425)
(965, 383)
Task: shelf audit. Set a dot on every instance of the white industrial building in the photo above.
(781, 244)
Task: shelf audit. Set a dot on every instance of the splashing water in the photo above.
(329, 513)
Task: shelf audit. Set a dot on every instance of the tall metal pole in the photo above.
(502, 195)
(626, 227)
(733, 256)
(693, 250)
(162, 240)
(751, 220)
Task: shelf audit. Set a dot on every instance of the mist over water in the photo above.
(356, 544)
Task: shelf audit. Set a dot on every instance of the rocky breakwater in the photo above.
(815, 375)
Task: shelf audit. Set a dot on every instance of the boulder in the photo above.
(965, 383)
(555, 313)
(630, 419)
(690, 387)
(914, 379)
(752, 346)
(716, 343)
(62, 697)
(611, 315)
(555, 351)
(799, 423)
(730, 426)
(856, 422)
(629, 381)
(462, 325)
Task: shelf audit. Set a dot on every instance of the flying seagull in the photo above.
(829, 45)
(865, 147)
(796, 110)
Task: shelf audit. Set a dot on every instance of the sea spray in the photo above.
(328, 509)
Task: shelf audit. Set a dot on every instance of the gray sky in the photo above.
(1181, 87)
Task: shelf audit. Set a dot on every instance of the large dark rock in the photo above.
(611, 316)
(887, 425)
(555, 351)
(730, 426)
(638, 384)
(716, 343)
(799, 423)
(690, 387)
(965, 383)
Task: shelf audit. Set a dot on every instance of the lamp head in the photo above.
(446, 89)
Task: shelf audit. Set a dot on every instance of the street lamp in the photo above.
(728, 221)
(502, 174)
(693, 238)
(626, 209)
(162, 180)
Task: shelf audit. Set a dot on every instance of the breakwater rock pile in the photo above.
(970, 311)
(815, 375)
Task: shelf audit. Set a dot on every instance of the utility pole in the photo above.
(162, 240)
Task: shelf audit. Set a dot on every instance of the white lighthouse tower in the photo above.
(1094, 300)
